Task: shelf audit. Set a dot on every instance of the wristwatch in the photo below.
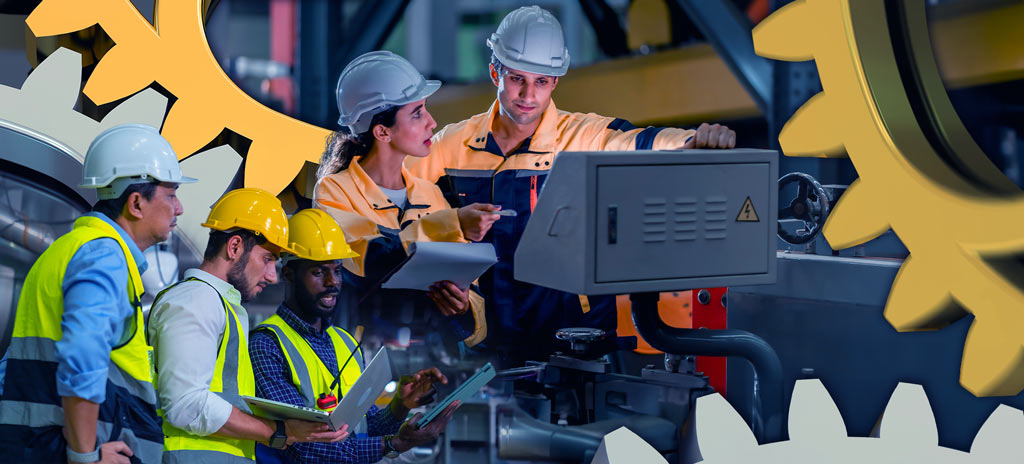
(389, 451)
(74, 456)
(280, 438)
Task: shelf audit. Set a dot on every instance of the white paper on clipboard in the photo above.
(430, 262)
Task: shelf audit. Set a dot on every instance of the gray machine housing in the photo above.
(646, 221)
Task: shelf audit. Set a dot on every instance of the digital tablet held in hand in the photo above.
(463, 393)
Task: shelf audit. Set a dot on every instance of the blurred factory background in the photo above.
(652, 62)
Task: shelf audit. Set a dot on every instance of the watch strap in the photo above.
(279, 439)
(389, 449)
(74, 456)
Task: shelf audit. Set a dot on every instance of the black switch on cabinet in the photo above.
(613, 224)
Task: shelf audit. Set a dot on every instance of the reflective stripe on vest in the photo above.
(31, 402)
(232, 378)
(311, 382)
(310, 375)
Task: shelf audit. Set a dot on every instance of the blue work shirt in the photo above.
(96, 313)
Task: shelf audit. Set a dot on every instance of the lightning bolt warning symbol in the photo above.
(747, 212)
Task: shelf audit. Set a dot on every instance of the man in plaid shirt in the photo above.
(314, 278)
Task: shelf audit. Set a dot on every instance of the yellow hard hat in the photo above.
(316, 236)
(254, 210)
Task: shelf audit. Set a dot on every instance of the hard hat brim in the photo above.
(428, 89)
(100, 183)
(526, 66)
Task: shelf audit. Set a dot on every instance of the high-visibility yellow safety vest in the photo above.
(309, 373)
(232, 378)
(31, 404)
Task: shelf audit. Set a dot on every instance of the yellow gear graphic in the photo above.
(176, 55)
(920, 174)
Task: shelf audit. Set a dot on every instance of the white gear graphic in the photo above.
(45, 106)
(817, 434)
(906, 434)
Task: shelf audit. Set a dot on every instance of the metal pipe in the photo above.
(518, 373)
(21, 231)
(768, 397)
(524, 438)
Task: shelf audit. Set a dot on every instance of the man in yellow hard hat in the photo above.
(299, 358)
(199, 331)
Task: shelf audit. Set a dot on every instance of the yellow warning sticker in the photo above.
(747, 212)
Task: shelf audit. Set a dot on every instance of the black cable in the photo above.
(342, 368)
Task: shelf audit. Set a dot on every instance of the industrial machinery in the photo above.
(596, 212)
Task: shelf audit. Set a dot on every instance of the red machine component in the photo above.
(709, 312)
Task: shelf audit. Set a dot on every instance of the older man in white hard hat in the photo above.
(503, 156)
(78, 386)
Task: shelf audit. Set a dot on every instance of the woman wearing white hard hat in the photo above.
(363, 184)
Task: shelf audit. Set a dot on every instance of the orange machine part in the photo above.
(673, 307)
(683, 310)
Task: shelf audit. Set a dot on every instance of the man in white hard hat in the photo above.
(78, 385)
(503, 156)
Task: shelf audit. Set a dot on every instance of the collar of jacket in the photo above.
(542, 141)
(418, 197)
(226, 290)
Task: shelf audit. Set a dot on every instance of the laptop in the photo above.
(350, 409)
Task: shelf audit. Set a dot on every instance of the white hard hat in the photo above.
(374, 82)
(129, 154)
(530, 39)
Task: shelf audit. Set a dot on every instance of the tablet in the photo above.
(350, 409)
(463, 393)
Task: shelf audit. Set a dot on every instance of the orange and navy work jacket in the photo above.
(469, 167)
(381, 231)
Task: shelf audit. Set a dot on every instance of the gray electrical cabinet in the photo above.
(645, 221)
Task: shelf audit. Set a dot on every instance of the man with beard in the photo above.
(198, 329)
(300, 359)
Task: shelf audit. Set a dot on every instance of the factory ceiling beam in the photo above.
(611, 38)
(980, 46)
(369, 28)
(326, 46)
(693, 84)
(367, 31)
(728, 31)
(318, 30)
(679, 86)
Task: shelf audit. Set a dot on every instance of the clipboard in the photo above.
(430, 262)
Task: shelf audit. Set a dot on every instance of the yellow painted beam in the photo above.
(681, 86)
(984, 47)
(692, 84)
